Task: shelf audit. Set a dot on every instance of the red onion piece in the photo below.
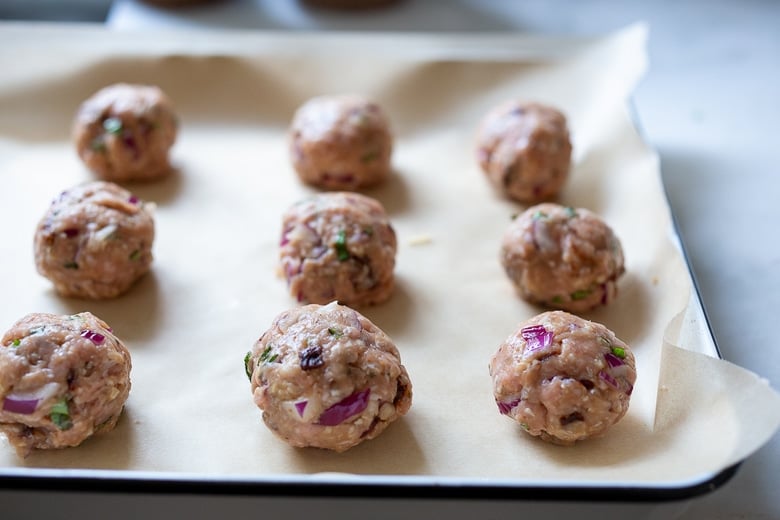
(621, 371)
(130, 143)
(613, 360)
(611, 381)
(318, 252)
(93, 336)
(71, 232)
(300, 406)
(536, 337)
(356, 321)
(540, 235)
(506, 407)
(20, 405)
(290, 270)
(313, 232)
(344, 409)
(133, 199)
(285, 236)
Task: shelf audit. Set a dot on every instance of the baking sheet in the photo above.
(213, 289)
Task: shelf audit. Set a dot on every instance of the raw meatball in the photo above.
(562, 257)
(62, 380)
(95, 241)
(338, 246)
(124, 132)
(524, 150)
(563, 378)
(326, 377)
(341, 143)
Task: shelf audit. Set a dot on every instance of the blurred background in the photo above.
(55, 10)
(708, 105)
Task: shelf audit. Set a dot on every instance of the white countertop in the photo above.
(709, 104)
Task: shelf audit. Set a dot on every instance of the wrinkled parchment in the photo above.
(214, 289)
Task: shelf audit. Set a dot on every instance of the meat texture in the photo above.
(338, 246)
(124, 132)
(326, 377)
(562, 257)
(62, 380)
(95, 241)
(563, 378)
(524, 150)
(341, 142)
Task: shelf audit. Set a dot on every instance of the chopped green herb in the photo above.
(70, 265)
(16, 342)
(266, 353)
(60, 415)
(524, 426)
(368, 230)
(514, 216)
(60, 407)
(112, 125)
(135, 255)
(247, 360)
(581, 294)
(538, 215)
(335, 332)
(97, 144)
(557, 299)
(341, 246)
(267, 357)
(570, 212)
(619, 352)
(369, 156)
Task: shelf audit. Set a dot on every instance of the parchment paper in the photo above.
(214, 289)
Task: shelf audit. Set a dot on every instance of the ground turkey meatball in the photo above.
(562, 257)
(124, 132)
(95, 241)
(62, 380)
(524, 150)
(341, 143)
(338, 246)
(326, 377)
(563, 378)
